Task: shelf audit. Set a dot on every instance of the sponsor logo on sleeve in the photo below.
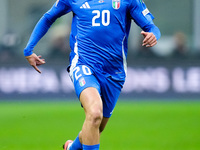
(145, 12)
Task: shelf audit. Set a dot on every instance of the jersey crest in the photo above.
(116, 4)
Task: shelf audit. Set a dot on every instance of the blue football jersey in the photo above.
(100, 30)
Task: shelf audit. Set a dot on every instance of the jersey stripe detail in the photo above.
(74, 60)
(124, 56)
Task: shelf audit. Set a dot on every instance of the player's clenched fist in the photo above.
(35, 61)
(149, 39)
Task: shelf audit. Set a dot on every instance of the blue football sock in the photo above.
(91, 147)
(76, 145)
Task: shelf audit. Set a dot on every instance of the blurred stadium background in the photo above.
(169, 70)
(161, 93)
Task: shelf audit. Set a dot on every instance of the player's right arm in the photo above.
(59, 9)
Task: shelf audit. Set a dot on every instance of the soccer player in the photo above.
(98, 41)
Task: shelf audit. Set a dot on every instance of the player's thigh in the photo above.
(91, 101)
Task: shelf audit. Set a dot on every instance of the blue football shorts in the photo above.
(109, 89)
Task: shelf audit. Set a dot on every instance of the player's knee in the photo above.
(95, 117)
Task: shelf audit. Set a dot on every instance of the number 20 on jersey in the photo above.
(103, 15)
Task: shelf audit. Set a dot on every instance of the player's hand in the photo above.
(149, 39)
(35, 61)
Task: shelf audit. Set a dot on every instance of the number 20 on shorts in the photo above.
(80, 70)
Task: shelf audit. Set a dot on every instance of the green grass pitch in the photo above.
(146, 125)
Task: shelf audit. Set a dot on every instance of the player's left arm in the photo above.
(151, 35)
(144, 19)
